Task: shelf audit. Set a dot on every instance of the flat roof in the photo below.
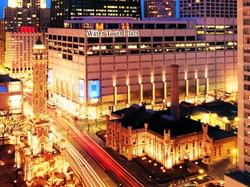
(221, 108)
(7, 78)
(135, 116)
(105, 19)
(243, 178)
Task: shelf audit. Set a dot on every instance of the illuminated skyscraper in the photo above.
(28, 3)
(244, 85)
(26, 13)
(241, 178)
(159, 8)
(67, 9)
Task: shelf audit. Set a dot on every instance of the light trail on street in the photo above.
(103, 158)
(87, 175)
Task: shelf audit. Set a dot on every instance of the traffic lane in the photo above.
(105, 160)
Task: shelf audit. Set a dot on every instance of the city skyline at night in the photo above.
(128, 93)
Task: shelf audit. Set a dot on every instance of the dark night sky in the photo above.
(4, 3)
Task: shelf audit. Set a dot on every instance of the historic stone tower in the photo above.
(39, 79)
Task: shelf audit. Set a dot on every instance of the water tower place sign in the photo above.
(112, 33)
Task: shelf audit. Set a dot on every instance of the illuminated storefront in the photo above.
(11, 95)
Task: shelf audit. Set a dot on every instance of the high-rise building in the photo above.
(244, 84)
(26, 13)
(18, 54)
(67, 9)
(208, 8)
(241, 178)
(159, 8)
(26, 3)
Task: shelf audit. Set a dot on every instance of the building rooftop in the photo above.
(157, 121)
(7, 78)
(243, 178)
(221, 108)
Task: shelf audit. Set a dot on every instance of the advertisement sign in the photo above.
(81, 88)
(112, 33)
(3, 89)
(94, 89)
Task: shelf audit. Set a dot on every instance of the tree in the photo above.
(8, 124)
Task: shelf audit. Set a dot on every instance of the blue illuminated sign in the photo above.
(3, 89)
(94, 89)
(81, 88)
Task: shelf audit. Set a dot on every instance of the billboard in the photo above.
(81, 88)
(3, 89)
(94, 89)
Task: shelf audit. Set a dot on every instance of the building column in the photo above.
(207, 87)
(115, 97)
(153, 88)
(187, 89)
(165, 91)
(141, 92)
(128, 92)
(196, 87)
(129, 96)
(197, 92)
(153, 93)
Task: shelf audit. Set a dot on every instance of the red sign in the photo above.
(27, 29)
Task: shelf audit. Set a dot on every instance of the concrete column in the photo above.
(129, 96)
(207, 87)
(175, 107)
(141, 92)
(197, 87)
(153, 93)
(187, 88)
(115, 96)
(165, 90)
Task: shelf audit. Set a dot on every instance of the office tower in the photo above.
(208, 8)
(241, 177)
(27, 3)
(244, 85)
(216, 23)
(129, 62)
(26, 13)
(159, 8)
(67, 9)
(18, 54)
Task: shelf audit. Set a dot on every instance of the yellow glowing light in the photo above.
(180, 167)
(201, 171)
(155, 164)
(144, 158)
(149, 161)
(139, 79)
(200, 177)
